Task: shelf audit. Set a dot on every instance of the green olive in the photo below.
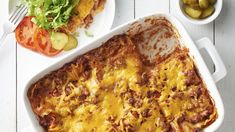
(203, 3)
(191, 2)
(185, 1)
(207, 12)
(195, 6)
(194, 13)
(212, 2)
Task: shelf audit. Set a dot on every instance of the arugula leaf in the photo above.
(50, 14)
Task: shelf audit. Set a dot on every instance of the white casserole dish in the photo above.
(184, 39)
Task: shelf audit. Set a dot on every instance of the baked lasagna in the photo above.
(113, 88)
(83, 13)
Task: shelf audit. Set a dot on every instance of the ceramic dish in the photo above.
(185, 40)
(218, 7)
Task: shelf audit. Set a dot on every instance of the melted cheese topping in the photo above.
(171, 74)
(117, 95)
(85, 9)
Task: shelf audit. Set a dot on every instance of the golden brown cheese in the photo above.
(184, 100)
(83, 13)
(112, 89)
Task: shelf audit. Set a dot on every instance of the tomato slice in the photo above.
(24, 33)
(43, 44)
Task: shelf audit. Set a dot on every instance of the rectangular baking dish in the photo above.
(135, 27)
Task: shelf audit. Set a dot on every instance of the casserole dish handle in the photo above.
(220, 70)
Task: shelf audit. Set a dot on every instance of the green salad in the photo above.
(50, 14)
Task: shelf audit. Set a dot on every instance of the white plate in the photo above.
(102, 24)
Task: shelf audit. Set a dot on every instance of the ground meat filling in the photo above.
(112, 89)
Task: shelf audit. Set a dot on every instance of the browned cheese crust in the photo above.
(83, 14)
(111, 89)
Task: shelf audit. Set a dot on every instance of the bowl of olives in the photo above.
(200, 11)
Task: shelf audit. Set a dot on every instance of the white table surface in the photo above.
(16, 68)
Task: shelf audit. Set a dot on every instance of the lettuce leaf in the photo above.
(50, 14)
